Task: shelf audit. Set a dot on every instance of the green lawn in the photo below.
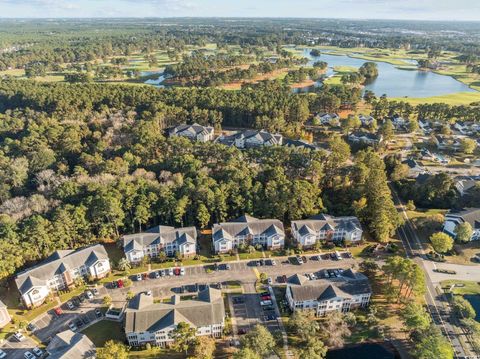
(103, 331)
(466, 287)
(460, 98)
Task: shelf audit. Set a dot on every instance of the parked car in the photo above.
(95, 291)
(162, 273)
(145, 276)
(120, 283)
(72, 327)
(58, 311)
(170, 271)
(227, 266)
(268, 308)
(273, 262)
(79, 323)
(265, 302)
(269, 281)
(28, 355)
(444, 271)
(114, 285)
(37, 351)
(176, 271)
(70, 305)
(157, 275)
(32, 327)
(266, 297)
(299, 260)
(98, 313)
(138, 277)
(2, 354)
(85, 320)
(89, 294)
(182, 271)
(19, 336)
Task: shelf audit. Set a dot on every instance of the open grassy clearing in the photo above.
(460, 98)
(462, 287)
(103, 331)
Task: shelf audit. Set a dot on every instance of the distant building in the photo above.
(366, 120)
(365, 138)
(326, 228)
(300, 144)
(463, 184)
(147, 321)
(468, 215)
(343, 293)
(158, 239)
(4, 315)
(331, 119)
(248, 230)
(194, 132)
(446, 142)
(70, 345)
(59, 271)
(252, 138)
(415, 168)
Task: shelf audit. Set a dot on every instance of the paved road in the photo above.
(437, 303)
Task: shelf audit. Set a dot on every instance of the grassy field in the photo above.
(103, 331)
(460, 98)
(465, 287)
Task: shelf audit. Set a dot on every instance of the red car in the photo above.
(120, 283)
(176, 271)
(58, 311)
(266, 297)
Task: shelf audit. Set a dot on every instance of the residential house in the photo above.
(324, 227)
(331, 119)
(366, 120)
(465, 183)
(365, 138)
(434, 157)
(252, 138)
(59, 272)
(467, 215)
(446, 142)
(425, 126)
(248, 230)
(399, 122)
(300, 144)
(4, 315)
(415, 168)
(194, 132)
(343, 293)
(70, 345)
(148, 321)
(151, 243)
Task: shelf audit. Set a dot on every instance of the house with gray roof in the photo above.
(247, 230)
(59, 272)
(70, 345)
(158, 239)
(366, 138)
(148, 321)
(251, 139)
(347, 291)
(4, 315)
(326, 228)
(194, 132)
(464, 184)
(467, 215)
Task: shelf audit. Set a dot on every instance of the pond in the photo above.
(474, 300)
(396, 82)
(362, 351)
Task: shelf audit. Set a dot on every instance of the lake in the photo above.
(362, 351)
(474, 300)
(395, 82)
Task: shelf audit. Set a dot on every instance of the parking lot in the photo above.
(15, 349)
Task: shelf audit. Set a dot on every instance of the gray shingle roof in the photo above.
(194, 129)
(143, 314)
(70, 345)
(159, 235)
(470, 215)
(247, 225)
(325, 222)
(345, 286)
(57, 263)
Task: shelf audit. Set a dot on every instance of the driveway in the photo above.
(15, 349)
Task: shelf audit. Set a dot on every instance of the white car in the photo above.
(170, 271)
(269, 281)
(70, 305)
(37, 351)
(182, 271)
(89, 294)
(264, 303)
(2, 354)
(19, 336)
(72, 327)
(273, 262)
(28, 355)
(139, 277)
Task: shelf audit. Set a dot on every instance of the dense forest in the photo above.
(82, 163)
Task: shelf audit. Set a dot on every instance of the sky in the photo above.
(352, 9)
